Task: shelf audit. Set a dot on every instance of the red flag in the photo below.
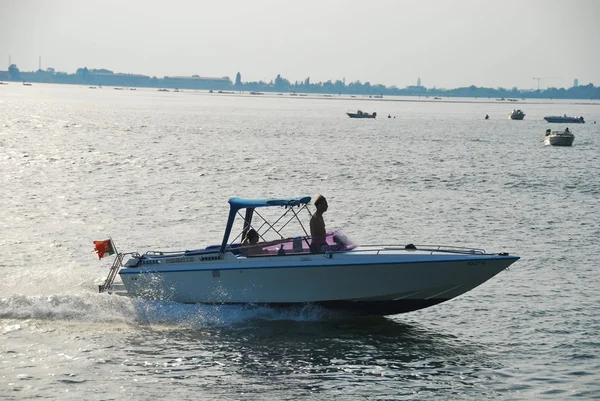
(103, 248)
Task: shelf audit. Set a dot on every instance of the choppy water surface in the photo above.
(154, 171)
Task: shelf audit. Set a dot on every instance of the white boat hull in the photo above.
(559, 140)
(377, 280)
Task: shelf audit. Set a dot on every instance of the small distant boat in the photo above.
(559, 138)
(501, 99)
(361, 114)
(163, 90)
(564, 119)
(118, 89)
(27, 84)
(437, 98)
(3, 83)
(378, 97)
(92, 87)
(487, 117)
(516, 114)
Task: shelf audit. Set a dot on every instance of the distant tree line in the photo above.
(280, 84)
(85, 76)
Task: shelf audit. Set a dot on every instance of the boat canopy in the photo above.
(235, 204)
(239, 203)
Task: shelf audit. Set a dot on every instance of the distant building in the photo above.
(419, 81)
(575, 83)
(197, 82)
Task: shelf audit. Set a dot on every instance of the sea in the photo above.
(154, 170)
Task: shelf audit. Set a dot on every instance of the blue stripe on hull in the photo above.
(354, 308)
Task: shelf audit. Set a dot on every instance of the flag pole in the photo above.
(112, 244)
(113, 270)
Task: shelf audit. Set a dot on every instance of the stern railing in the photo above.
(114, 269)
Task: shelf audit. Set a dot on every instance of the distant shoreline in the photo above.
(96, 77)
(345, 97)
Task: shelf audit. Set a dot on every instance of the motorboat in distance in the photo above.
(289, 268)
(516, 114)
(361, 114)
(564, 119)
(559, 138)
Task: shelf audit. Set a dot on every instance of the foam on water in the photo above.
(114, 309)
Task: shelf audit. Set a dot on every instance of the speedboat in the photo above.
(286, 269)
(564, 119)
(516, 114)
(559, 138)
(361, 114)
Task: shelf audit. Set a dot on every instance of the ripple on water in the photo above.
(154, 173)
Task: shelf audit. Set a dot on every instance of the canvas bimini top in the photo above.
(239, 203)
(236, 204)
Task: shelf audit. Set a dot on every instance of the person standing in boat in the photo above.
(317, 226)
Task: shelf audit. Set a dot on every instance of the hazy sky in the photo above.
(447, 43)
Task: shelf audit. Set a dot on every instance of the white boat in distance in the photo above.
(286, 272)
(516, 114)
(565, 119)
(559, 138)
(361, 114)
